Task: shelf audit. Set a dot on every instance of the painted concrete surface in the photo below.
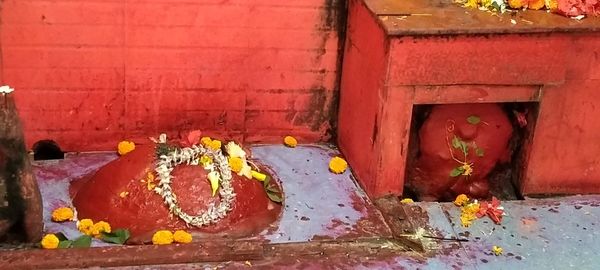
(318, 203)
(554, 233)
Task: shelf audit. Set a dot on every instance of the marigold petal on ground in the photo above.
(407, 200)
(50, 241)
(125, 147)
(338, 165)
(162, 237)
(497, 250)
(182, 237)
(290, 141)
(62, 214)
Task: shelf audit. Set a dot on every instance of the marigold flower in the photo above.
(62, 214)
(86, 226)
(50, 241)
(497, 250)
(236, 164)
(338, 165)
(536, 4)
(471, 208)
(466, 219)
(182, 237)
(407, 200)
(100, 227)
(290, 141)
(461, 200)
(205, 141)
(205, 161)
(259, 176)
(215, 145)
(162, 237)
(551, 5)
(125, 147)
(516, 4)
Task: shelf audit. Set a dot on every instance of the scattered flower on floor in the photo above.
(50, 241)
(62, 214)
(125, 147)
(86, 226)
(497, 250)
(100, 227)
(182, 237)
(492, 209)
(338, 165)
(290, 141)
(162, 237)
(407, 200)
(461, 200)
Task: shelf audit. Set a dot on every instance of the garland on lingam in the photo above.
(577, 9)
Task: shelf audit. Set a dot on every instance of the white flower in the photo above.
(6, 89)
(234, 150)
(246, 171)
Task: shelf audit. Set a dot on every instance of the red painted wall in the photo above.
(90, 73)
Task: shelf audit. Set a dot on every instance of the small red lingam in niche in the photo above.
(124, 194)
(459, 145)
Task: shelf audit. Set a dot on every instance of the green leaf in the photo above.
(464, 147)
(118, 236)
(457, 171)
(473, 119)
(274, 197)
(61, 237)
(266, 182)
(65, 244)
(272, 189)
(479, 152)
(83, 241)
(456, 142)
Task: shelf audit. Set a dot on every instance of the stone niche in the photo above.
(400, 55)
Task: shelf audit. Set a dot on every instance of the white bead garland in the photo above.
(190, 156)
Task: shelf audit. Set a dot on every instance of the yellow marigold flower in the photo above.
(407, 200)
(516, 3)
(182, 237)
(86, 226)
(62, 214)
(236, 164)
(163, 237)
(467, 219)
(461, 200)
(215, 145)
(471, 208)
(259, 176)
(50, 241)
(205, 141)
(101, 226)
(125, 147)
(497, 250)
(338, 165)
(470, 4)
(536, 4)
(290, 141)
(205, 161)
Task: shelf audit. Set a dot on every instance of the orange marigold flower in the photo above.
(125, 147)
(290, 141)
(338, 165)
(516, 3)
(536, 4)
(205, 141)
(62, 214)
(461, 200)
(182, 237)
(236, 164)
(50, 241)
(163, 237)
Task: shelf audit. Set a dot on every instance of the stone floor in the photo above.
(555, 233)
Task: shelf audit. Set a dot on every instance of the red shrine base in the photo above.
(117, 195)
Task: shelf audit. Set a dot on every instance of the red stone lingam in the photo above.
(119, 195)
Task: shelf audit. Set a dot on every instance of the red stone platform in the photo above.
(401, 54)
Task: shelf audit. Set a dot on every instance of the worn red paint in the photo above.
(392, 63)
(88, 74)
